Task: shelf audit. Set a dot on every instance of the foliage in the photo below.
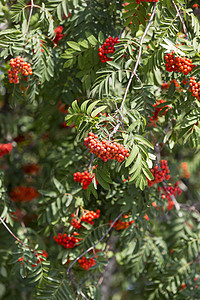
(146, 241)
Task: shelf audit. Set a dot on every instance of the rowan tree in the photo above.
(99, 149)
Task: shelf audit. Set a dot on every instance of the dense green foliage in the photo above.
(157, 256)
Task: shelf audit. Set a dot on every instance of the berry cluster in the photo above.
(85, 263)
(75, 223)
(106, 48)
(178, 64)
(120, 225)
(58, 31)
(31, 169)
(5, 149)
(105, 149)
(23, 194)
(85, 178)
(170, 191)
(67, 241)
(157, 112)
(160, 173)
(18, 65)
(87, 217)
(185, 173)
(194, 87)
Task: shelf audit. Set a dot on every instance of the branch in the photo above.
(4, 224)
(181, 19)
(29, 18)
(92, 247)
(139, 55)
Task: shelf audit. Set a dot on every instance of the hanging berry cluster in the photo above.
(18, 65)
(105, 149)
(5, 149)
(120, 225)
(194, 87)
(23, 194)
(87, 217)
(85, 178)
(178, 64)
(160, 173)
(170, 191)
(157, 112)
(107, 48)
(67, 241)
(85, 263)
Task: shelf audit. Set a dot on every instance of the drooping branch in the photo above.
(29, 18)
(181, 19)
(5, 225)
(139, 56)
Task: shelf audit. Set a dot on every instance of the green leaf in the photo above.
(101, 37)
(98, 110)
(91, 106)
(101, 181)
(58, 185)
(132, 155)
(143, 141)
(91, 38)
(74, 45)
(148, 174)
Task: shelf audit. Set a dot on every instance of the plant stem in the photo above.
(29, 18)
(139, 56)
(4, 224)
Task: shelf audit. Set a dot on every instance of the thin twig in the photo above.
(181, 19)
(29, 18)
(139, 55)
(115, 129)
(4, 224)
(92, 247)
(20, 217)
(91, 160)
